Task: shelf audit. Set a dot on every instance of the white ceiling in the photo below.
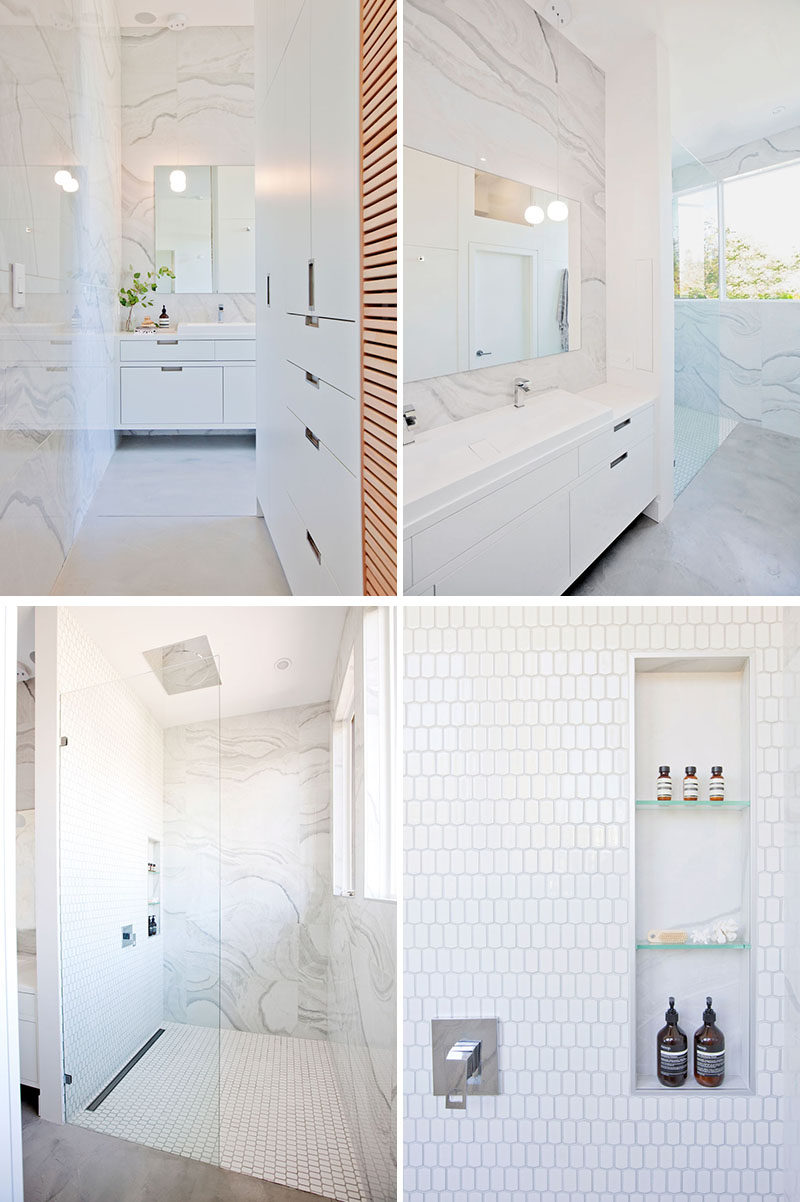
(199, 12)
(247, 639)
(732, 62)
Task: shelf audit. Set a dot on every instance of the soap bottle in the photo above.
(664, 784)
(163, 319)
(709, 1051)
(716, 788)
(691, 789)
(672, 1050)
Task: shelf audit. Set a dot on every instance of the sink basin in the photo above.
(446, 464)
(225, 329)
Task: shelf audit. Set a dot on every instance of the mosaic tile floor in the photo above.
(697, 436)
(264, 1105)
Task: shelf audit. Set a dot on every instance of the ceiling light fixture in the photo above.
(560, 12)
(62, 177)
(177, 22)
(71, 185)
(177, 180)
(558, 210)
(145, 18)
(283, 664)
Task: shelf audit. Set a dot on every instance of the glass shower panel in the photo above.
(140, 908)
(701, 425)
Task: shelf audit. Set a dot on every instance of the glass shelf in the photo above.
(694, 947)
(679, 804)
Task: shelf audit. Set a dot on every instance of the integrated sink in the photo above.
(224, 329)
(445, 464)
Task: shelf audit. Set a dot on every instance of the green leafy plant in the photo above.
(138, 291)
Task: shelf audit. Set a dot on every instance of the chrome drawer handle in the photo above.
(312, 379)
(619, 460)
(314, 547)
(622, 425)
(166, 341)
(311, 269)
(172, 369)
(312, 438)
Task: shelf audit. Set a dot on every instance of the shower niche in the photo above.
(153, 887)
(692, 928)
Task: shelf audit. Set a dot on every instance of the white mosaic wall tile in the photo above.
(517, 821)
(110, 804)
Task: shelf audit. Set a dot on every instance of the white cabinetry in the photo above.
(187, 384)
(28, 1039)
(307, 194)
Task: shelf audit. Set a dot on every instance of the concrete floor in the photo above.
(175, 516)
(734, 531)
(64, 1163)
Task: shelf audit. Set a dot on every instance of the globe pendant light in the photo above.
(534, 214)
(177, 180)
(558, 210)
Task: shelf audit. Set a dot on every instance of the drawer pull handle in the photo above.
(314, 547)
(312, 379)
(312, 438)
(269, 297)
(619, 459)
(61, 342)
(313, 322)
(622, 425)
(58, 369)
(311, 283)
(172, 369)
(166, 341)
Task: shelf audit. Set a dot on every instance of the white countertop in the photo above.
(199, 329)
(26, 972)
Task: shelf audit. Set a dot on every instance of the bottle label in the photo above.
(664, 790)
(709, 1064)
(716, 790)
(690, 790)
(672, 1064)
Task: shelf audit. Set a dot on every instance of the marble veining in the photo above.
(495, 80)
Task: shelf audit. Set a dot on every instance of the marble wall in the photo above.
(740, 358)
(792, 904)
(60, 109)
(362, 983)
(494, 79)
(186, 97)
(258, 788)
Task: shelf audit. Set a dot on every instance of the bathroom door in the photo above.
(502, 290)
(139, 812)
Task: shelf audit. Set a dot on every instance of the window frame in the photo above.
(343, 792)
(379, 668)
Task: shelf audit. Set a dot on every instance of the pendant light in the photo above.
(177, 180)
(177, 177)
(558, 210)
(534, 214)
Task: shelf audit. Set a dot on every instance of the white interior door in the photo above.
(502, 292)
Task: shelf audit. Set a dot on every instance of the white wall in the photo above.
(518, 904)
(792, 838)
(25, 834)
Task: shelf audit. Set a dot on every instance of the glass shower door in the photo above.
(139, 803)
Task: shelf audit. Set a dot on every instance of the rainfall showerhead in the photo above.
(185, 667)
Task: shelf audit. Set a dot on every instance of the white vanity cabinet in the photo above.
(307, 203)
(174, 383)
(535, 532)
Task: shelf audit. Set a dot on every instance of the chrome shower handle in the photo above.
(463, 1062)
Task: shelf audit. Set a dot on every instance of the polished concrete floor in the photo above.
(734, 531)
(64, 1163)
(175, 516)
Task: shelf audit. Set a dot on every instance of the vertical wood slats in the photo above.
(379, 294)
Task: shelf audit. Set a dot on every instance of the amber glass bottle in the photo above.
(672, 1050)
(709, 1051)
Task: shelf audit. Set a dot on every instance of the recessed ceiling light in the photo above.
(283, 664)
(145, 18)
(177, 21)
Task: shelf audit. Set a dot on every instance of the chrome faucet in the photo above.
(521, 390)
(463, 1062)
(220, 311)
(409, 422)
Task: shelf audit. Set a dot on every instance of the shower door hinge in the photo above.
(64, 740)
(67, 1078)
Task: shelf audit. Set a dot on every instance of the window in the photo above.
(740, 239)
(379, 742)
(343, 815)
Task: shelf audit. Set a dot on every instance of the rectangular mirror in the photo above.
(492, 269)
(205, 228)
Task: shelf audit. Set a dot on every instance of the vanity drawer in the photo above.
(602, 506)
(328, 498)
(171, 397)
(240, 394)
(27, 1005)
(443, 542)
(307, 574)
(235, 350)
(626, 432)
(330, 349)
(28, 1053)
(151, 349)
(330, 413)
(530, 558)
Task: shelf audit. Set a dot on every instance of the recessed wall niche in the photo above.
(693, 871)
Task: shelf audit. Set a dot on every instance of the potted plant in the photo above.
(138, 292)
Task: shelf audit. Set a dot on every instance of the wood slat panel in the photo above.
(379, 295)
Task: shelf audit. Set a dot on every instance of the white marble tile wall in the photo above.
(260, 792)
(740, 358)
(187, 97)
(517, 824)
(494, 79)
(111, 803)
(362, 984)
(60, 109)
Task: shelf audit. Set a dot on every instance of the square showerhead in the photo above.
(184, 667)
